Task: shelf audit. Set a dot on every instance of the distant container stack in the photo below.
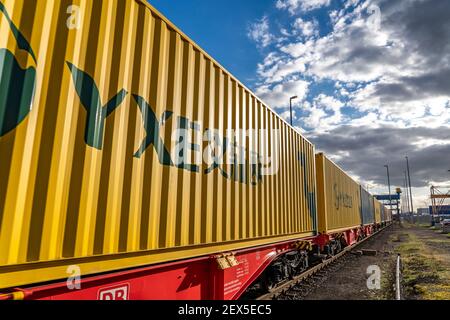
(440, 210)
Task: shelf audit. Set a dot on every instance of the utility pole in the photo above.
(410, 189)
(406, 204)
(389, 184)
(290, 106)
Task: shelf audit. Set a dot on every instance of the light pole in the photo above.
(290, 106)
(406, 194)
(410, 189)
(389, 184)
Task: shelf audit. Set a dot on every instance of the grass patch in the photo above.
(437, 292)
(420, 276)
(408, 249)
(387, 282)
(424, 277)
(399, 237)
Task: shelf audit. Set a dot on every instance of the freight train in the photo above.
(114, 127)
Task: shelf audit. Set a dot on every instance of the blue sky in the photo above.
(372, 76)
(222, 29)
(219, 27)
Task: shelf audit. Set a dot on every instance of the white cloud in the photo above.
(350, 3)
(260, 32)
(317, 118)
(306, 28)
(286, 115)
(395, 77)
(278, 96)
(305, 5)
(370, 120)
(399, 74)
(328, 103)
(428, 142)
(323, 114)
(281, 70)
(339, 57)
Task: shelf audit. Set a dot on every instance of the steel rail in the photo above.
(283, 288)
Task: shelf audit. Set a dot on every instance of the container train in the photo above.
(110, 184)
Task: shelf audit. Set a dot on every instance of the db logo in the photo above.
(119, 292)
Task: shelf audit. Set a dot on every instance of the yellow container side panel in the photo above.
(321, 193)
(338, 197)
(377, 211)
(109, 117)
(389, 213)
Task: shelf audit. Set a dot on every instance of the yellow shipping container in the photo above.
(338, 197)
(388, 215)
(105, 108)
(377, 211)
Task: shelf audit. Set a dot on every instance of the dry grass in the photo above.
(424, 276)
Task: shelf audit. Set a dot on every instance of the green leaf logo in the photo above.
(309, 195)
(16, 84)
(89, 96)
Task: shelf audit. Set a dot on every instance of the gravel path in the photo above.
(349, 282)
(424, 252)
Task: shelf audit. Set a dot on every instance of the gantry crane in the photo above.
(439, 195)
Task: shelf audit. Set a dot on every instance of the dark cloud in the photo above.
(400, 76)
(368, 150)
(428, 85)
(421, 29)
(417, 45)
(423, 25)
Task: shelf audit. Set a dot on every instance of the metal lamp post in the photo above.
(290, 105)
(406, 198)
(389, 184)
(410, 189)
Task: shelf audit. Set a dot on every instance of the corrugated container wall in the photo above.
(367, 209)
(338, 197)
(388, 214)
(383, 213)
(91, 165)
(389, 217)
(377, 205)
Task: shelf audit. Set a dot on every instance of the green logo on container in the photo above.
(97, 113)
(341, 199)
(16, 84)
(310, 196)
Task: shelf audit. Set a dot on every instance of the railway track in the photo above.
(301, 285)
